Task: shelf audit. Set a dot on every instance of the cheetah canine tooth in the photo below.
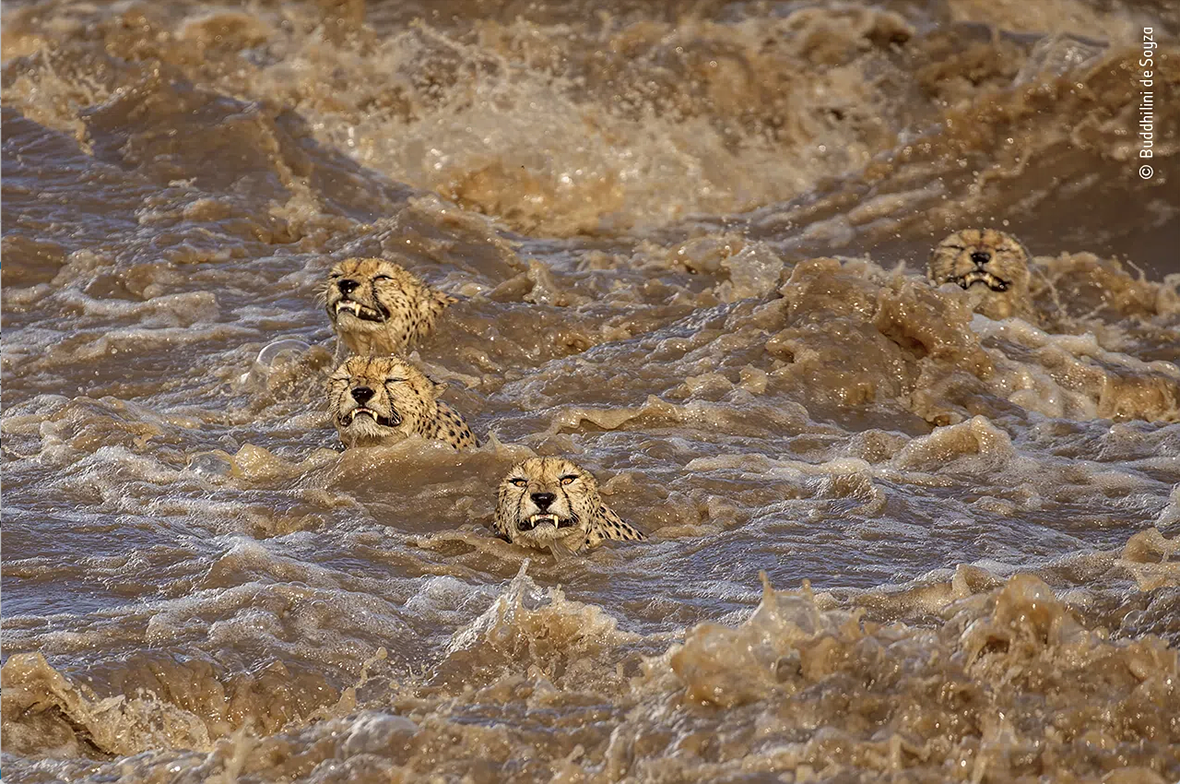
(993, 282)
(355, 308)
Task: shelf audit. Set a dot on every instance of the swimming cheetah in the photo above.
(991, 265)
(383, 400)
(377, 307)
(552, 503)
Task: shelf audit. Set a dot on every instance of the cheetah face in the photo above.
(985, 257)
(379, 400)
(545, 499)
(377, 307)
(362, 290)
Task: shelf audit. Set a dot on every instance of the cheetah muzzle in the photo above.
(390, 421)
(982, 276)
(362, 312)
(541, 518)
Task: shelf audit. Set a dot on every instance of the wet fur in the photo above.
(395, 308)
(402, 393)
(999, 288)
(585, 521)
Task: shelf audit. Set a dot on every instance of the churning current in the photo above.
(889, 537)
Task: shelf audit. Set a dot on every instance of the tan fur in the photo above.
(583, 519)
(401, 394)
(998, 283)
(377, 307)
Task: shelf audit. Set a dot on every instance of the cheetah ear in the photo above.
(438, 387)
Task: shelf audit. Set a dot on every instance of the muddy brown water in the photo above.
(688, 241)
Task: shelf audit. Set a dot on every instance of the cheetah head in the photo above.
(986, 257)
(547, 500)
(376, 306)
(380, 400)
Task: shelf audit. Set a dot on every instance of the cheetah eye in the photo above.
(954, 247)
(568, 479)
(381, 277)
(335, 275)
(519, 482)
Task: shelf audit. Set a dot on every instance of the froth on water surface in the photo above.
(686, 246)
(1006, 682)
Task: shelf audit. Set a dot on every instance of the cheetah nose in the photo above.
(980, 257)
(347, 286)
(542, 500)
(362, 394)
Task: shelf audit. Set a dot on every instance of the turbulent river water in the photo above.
(890, 539)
